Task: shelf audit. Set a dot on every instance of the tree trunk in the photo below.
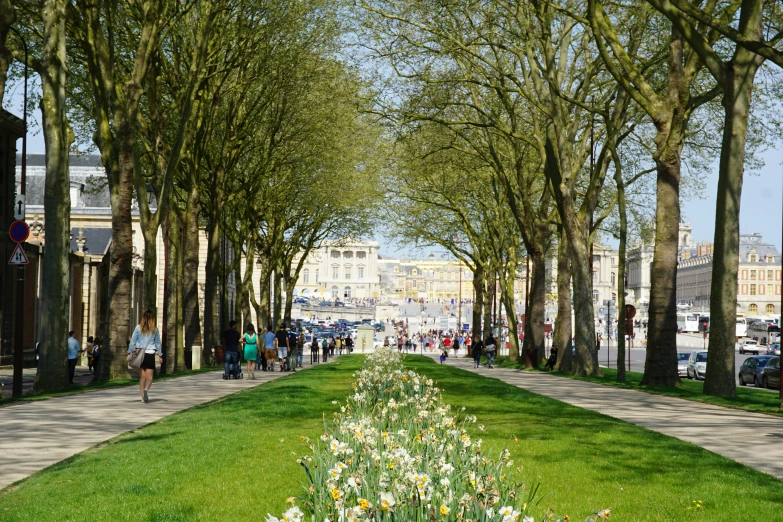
(489, 299)
(289, 299)
(478, 287)
(265, 317)
(563, 326)
(113, 362)
(740, 74)
(660, 367)
(536, 313)
(150, 278)
(211, 334)
(52, 372)
(511, 314)
(621, 274)
(243, 293)
(173, 290)
(190, 308)
(278, 304)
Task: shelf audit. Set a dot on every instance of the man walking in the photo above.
(73, 353)
(269, 349)
(281, 343)
(231, 340)
(293, 344)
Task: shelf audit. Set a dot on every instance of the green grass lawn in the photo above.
(235, 459)
(748, 398)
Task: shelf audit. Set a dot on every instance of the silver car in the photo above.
(774, 349)
(682, 363)
(697, 365)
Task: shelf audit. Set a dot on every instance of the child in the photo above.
(443, 356)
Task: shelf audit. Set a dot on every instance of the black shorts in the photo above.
(149, 362)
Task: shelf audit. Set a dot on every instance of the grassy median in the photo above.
(235, 459)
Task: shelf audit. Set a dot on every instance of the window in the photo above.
(770, 259)
(361, 272)
(769, 275)
(770, 309)
(316, 275)
(347, 293)
(752, 289)
(347, 273)
(613, 278)
(761, 289)
(360, 255)
(744, 289)
(595, 294)
(761, 275)
(347, 255)
(744, 275)
(414, 271)
(770, 289)
(753, 308)
(335, 254)
(306, 275)
(753, 258)
(752, 275)
(335, 292)
(413, 283)
(396, 269)
(335, 272)
(595, 277)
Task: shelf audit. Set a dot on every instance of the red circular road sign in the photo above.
(19, 231)
(630, 311)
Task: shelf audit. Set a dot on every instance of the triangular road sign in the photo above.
(18, 257)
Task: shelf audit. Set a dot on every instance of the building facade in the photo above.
(758, 281)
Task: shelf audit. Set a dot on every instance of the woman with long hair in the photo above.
(147, 338)
(250, 340)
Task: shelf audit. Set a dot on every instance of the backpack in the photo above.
(324, 345)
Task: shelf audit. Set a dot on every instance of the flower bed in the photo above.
(395, 452)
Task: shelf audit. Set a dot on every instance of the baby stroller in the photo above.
(235, 369)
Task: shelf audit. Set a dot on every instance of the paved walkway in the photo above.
(37, 434)
(753, 439)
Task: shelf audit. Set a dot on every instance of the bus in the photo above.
(764, 333)
(687, 322)
(742, 326)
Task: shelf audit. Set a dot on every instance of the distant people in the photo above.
(490, 346)
(146, 337)
(88, 348)
(349, 344)
(550, 363)
(443, 355)
(74, 349)
(231, 342)
(325, 349)
(250, 340)
(97, 347)
(293, 341)
(300, 342)
(270, 352)
(477, 347)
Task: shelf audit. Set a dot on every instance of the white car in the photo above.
(749, 345)
(378, 343)
(697, 365)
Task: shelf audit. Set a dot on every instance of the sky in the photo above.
(760, 211)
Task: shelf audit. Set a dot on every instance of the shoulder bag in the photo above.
(136, 357)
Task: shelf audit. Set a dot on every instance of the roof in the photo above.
(75, 160)
(750, 242)
(12, 123)
(98, 240)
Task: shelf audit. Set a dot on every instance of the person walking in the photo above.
(293, 343)
(250, 340)
(300, 342)
(490, 346)
(269, 350)
(325, 349)
(477, 346)
(281, 343)
(146, 337)
(231, 342)
(74, 349)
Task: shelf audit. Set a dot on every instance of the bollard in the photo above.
(195, 358)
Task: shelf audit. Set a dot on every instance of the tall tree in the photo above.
(735, 77)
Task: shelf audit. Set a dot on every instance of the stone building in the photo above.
(758, 282)
(345, 269)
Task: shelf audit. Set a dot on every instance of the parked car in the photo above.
(749, 345)
(377, 342)
(324, 303)
(301, 300)
(774, 349)
(682, 363)
(770, 375)
(750, 371)
(697, 365)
